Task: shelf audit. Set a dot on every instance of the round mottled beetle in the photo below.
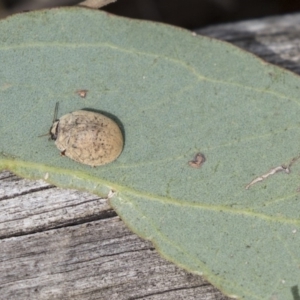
(87, 137)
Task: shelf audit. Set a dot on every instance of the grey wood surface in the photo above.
(66, 244)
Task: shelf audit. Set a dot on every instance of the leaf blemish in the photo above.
(271, 172)
(286, 169)
(111, 194)
(198, 161)
(82, 93)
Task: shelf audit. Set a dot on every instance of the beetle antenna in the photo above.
(44, 134)
(55, 112)
(54, 119)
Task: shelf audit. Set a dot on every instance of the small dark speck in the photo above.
(82, 93)
(198, 161)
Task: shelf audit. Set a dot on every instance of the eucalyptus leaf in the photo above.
(233, 218)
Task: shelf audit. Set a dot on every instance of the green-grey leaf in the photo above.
(176, 95)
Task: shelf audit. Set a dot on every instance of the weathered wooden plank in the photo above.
(65, 244)
(274, 39)
(32, 206)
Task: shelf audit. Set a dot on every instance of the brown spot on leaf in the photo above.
(82, 93)
(198, 161)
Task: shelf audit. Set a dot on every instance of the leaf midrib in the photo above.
(14, 164)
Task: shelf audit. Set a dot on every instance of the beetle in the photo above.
(87, 137)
